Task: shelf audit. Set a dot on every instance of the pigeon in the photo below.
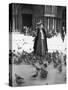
(60, 68)
(37, 68)
(43, 74)
(35, 75)
(45, 65)
(19, 80)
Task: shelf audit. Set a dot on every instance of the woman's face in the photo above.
(41, 26)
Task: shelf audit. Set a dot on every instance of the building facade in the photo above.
(53, 17)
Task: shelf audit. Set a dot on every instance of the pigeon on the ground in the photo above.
(35, 75)
(43, 74)
(19, 79)
(45, 65)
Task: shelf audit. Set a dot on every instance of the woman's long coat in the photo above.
(40, 45)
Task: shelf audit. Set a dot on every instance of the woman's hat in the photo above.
(40, 22)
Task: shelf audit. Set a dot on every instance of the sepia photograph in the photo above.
(37, 44)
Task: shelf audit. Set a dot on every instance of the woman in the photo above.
(40, 44)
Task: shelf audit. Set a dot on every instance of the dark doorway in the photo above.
(27, 19)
